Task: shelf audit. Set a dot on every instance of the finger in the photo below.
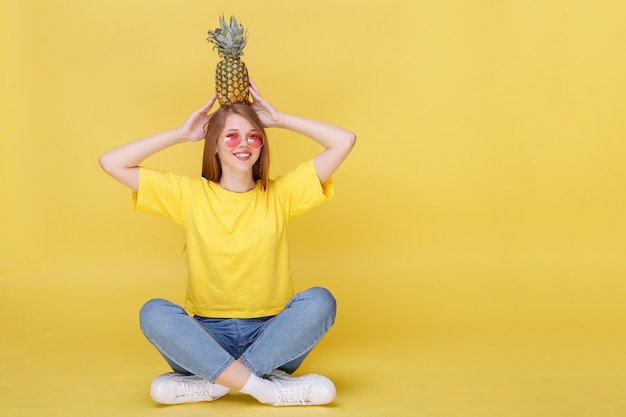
(206, 126)
(255, 94)
(254, 87)
(209, 104)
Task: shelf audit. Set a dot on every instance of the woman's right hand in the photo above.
(122, 163)
(194, 128)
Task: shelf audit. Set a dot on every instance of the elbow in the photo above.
(114, 168)
(350, 141)
(109, 164)
(105, 163)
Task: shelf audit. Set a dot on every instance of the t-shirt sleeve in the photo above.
(301, 189)
(160, 192)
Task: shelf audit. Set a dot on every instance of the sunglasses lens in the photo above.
(232, 140)
(255, 140)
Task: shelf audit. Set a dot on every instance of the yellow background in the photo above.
(476, 243)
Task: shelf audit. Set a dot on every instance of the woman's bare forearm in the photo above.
(122, 162)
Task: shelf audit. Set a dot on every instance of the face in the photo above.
(239, 145)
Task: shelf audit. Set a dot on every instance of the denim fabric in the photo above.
(206, 346)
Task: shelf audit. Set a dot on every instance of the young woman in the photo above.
(241, 327)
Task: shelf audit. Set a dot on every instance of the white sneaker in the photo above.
(174, 388)
(309, 389)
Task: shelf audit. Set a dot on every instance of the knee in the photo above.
(323, 302)
(152, 313)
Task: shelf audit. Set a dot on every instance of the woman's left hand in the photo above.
(267, 113)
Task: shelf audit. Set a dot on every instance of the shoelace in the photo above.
(193, 389)
(291, 396)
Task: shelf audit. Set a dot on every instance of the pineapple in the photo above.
(231, 74)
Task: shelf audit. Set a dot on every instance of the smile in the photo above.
(243, 156)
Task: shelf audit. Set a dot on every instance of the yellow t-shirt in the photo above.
(236, 242)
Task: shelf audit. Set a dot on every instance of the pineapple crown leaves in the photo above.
(229, 39)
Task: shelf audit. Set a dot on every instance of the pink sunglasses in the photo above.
(233, 139)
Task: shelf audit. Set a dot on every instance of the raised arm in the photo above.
(122, 163)
(337, 141)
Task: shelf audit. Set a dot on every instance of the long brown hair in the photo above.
(211, 166)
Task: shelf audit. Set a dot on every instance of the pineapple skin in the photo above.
(231, 74)
(231, 81)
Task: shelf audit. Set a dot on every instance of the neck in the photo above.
(237, 183)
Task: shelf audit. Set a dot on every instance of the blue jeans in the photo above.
(206, 346)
